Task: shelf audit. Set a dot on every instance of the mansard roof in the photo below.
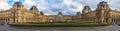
(78, 13)
(41, 13)
(59, 13)
(103, 3)
(18, 4)
(33, 8)
(86, 7)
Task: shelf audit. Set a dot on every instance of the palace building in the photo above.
(102, 14)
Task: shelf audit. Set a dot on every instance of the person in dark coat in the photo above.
(2, 23)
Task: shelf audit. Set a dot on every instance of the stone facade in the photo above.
(102, 14)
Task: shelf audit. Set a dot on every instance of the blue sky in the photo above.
(10, 2)
(52, 7)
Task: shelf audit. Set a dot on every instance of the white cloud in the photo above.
(15, 0)
(3, 0)
(28, 3)
(4, 5)
(65, 6)
(41, 4)
(74, 7)
(80, 8)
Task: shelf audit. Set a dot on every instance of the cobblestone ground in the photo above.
(107, 28)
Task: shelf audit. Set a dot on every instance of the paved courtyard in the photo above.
(107, 28)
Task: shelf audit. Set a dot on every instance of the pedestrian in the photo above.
(2, 23)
